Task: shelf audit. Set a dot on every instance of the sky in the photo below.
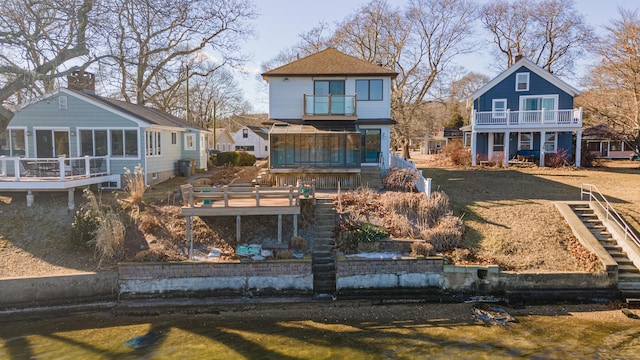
(280, 22)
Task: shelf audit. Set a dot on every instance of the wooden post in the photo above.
(257, 195)
(189, 236)
(226, 195)
(290, 195)
(279, 228)
(237, 229)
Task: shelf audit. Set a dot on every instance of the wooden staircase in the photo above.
(628, 273)
(370, 177)
(323, 255)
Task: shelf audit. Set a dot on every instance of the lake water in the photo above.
(331, 330)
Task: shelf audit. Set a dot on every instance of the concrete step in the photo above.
(324, 270)
(629, 280)
(323, 248)
(628, 269)
(322, 260)
(615, 254)
(622, 260)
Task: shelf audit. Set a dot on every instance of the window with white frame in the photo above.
(245, 148)
(93, 142)
(467, 140)
(615, 145)
(499, 108)
(526, 141)
(522, 81)
(153, 143)
(189, 141)
(498, 142)
(12, 142)
(124, 143)
(550, 142)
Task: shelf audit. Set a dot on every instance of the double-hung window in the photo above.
(522, 81)
(499, 108)
(189, 141)
(526, 141)
(550, 142)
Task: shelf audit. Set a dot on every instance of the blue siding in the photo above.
(506, 90)
(565, 141)
(513, 145)
(482, 147)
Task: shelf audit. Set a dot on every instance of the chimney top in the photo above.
(81, 80)
(517, 58)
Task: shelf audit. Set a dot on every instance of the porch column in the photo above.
(542, 136)
(579, 146)
(507, 134)
(474, 137)
(71, 204)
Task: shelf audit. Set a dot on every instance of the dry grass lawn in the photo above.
(510, 216)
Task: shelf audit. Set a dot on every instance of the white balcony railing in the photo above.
(329, 105)
(53, 169)
(528, 118)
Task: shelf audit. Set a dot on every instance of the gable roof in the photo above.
(535, 69)
(329, 62)
(262, 132)
(144, 113)
(224, 132)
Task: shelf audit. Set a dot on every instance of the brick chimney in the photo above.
(81, 80)
(517, 58)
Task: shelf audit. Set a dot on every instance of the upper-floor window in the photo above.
(245, 133)
(369, 90)
(522, 81)
(499, 108)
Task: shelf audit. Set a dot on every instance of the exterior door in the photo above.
(370, 145)
(52, 143)
(329, 97)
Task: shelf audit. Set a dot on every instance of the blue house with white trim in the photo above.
(525, 112)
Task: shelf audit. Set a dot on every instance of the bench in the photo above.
(528, 155)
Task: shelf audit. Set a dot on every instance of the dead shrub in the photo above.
(446, 235)
(557, 159)
(401, 179)
(134, 185)
(461, 256)
(436, 207)
(298, 243)
(422, 248)
(149, 255)
(148, 223)
(284, 255)
(457, 154)
(108, 238)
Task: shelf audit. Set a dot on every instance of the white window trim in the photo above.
(496, 113)
(519, 140)
(526, 74)
(186, 142)
(555, 143)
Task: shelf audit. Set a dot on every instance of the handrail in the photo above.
(609, 210)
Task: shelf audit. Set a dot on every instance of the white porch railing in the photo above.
(527, 118)
(53, 169)
(422, 184)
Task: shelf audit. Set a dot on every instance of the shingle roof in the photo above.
(144, 113)
(330, 62)
(262, 132)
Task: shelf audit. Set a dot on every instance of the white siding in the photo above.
(261, 146)
(286, 97)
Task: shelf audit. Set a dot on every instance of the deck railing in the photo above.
(319, 105)
(422, 184)
(528, 118)
(53, 169)
(193, 196)
(595, 196)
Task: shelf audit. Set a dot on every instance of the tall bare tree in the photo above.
(151, 39)
(37, 41)
(551, 33)
(614, 84)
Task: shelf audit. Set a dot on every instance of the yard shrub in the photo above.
(134, 184)
(228, 158)
(401, 179)
(446, 235)
(457, 154)
(234, 158)
(83, 227)
(558, 159)
(246, 159)
(422, 248)
(589, 158)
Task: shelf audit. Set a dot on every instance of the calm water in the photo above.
(329, 331)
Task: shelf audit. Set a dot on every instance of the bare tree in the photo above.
(152, 39)
(614, 84)
(37, 40)
(551, 33)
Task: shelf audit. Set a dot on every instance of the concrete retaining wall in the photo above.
(54, 290)
(268, 278)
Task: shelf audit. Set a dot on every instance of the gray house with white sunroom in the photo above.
(73, 137)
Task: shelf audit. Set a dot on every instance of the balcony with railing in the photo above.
(529, 119)
(329, 107)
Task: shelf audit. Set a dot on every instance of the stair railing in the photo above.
(596, 196)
